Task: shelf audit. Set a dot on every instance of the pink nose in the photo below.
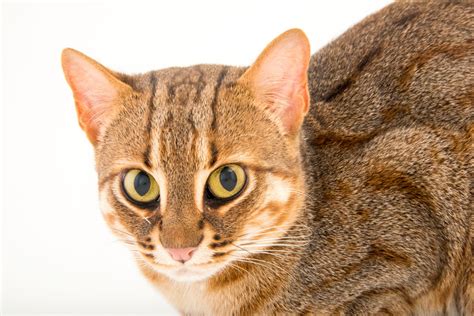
(181, 254)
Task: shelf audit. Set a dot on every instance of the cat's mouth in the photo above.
(188, 272)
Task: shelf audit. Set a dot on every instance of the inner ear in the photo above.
(97, 91)
(279, 79)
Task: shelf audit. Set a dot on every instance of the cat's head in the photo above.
(200, 166)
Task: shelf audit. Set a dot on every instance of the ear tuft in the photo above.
(279, 78)
(96, 91)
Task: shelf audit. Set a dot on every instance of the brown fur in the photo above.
(374, 202)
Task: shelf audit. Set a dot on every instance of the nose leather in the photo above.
(181, 254)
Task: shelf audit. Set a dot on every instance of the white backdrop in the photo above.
(58, 255)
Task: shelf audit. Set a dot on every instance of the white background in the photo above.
(58, 255)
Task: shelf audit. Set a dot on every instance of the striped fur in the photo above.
(368, 211)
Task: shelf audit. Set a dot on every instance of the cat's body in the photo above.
(372, 196)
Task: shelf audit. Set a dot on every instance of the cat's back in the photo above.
(389, 143)
(409, 64)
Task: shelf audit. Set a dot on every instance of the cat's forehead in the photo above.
(180, 94)
(190, 85)
(188, 94)
(184, 120)
(183, 115)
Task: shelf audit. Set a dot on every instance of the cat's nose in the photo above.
(181, 254)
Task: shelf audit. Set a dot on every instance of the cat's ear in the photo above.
(279, 78)
(96, 90)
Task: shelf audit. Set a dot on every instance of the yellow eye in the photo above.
(226, 181)
(140, 186)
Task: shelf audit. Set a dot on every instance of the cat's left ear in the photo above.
(96, 89)
(279, 79)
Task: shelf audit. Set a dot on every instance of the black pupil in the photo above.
(228, 178)
(142, 183)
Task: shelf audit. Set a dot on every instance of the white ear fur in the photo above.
(95, 88)
(279, 78)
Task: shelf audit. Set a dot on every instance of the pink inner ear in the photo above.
(95, 90)
(279, 78)
(293, 115)
(91, 87)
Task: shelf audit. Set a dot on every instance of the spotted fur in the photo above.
(363, 209)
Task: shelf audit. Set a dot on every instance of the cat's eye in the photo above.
(140, 187)
(227, 181)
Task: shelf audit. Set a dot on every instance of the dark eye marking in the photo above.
(220, 244)
(219, 254)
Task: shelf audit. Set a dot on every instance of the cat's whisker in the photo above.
(131, 245)
(235, 266)
(249, 252)
(294, 234)
(128, 239)
(275, 254)
(240, 247)
(279, 245)
(292, 237)
(270, 250)
(255, 263)
(128, 242)
(272, 244)
(278, 240)
(271, 234)
(282, 226)
(121, 232)
(131, 248)
(273, 228)
(275, 241)
(266, 264)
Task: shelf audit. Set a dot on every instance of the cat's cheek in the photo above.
(108, 210)
(278, 190)
(279, 210)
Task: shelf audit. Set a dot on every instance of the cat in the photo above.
(334, 184)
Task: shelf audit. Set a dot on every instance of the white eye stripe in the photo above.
(104, 204)
(278, 190)
(200, 181)
(108, 211)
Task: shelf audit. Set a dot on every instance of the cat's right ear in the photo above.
(279, 79)
(97, 91)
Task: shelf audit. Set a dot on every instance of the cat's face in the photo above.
(198, 166)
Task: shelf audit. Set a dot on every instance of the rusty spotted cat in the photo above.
(334, 184)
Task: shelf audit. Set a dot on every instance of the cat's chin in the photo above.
(190, 273)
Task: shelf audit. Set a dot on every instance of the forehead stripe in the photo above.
(213, 154)
(213, 148)
(220, 79)
(151, 111)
